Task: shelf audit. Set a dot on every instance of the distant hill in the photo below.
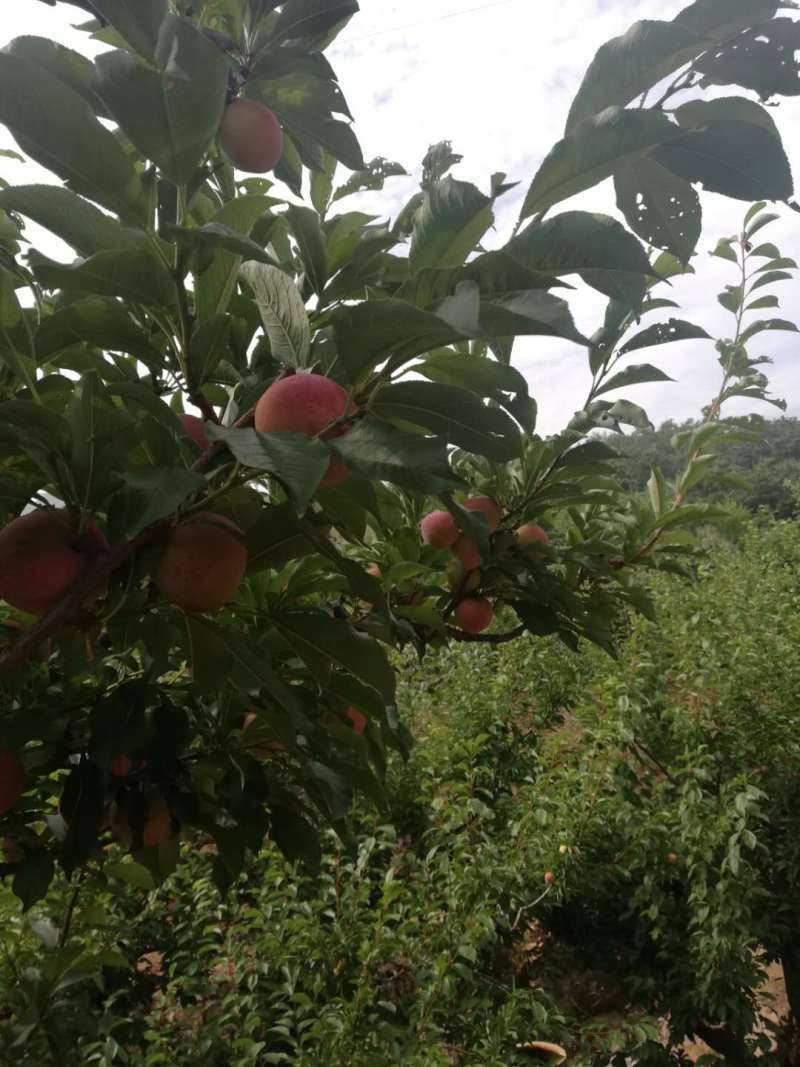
(771, 468)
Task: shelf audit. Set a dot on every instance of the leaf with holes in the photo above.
(660, 208)
(664, 333)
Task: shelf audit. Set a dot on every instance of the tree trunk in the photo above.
(726, 1044)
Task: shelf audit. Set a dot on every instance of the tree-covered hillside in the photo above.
(753, 473)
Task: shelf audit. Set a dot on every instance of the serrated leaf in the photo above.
(628, 66)
(734, 148)
(597, 247)
(595, 150)
(315, 635)
(132, 274)
(381, 452)
(77, 222)
(453, 218)
(282, 312)
(452, 413)
(54, 125)
(171, 115)
(297, 461)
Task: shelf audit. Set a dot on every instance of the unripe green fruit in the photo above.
(203, 563)
(467, 554)
(439, 529)
(251, 136)
(474, 615)
(488, 508)
(306, 403)
(41, 557)
(195, 430)
(12, 779)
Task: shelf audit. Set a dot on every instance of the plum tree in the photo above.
(12, 778)
(251, 136)
(306, 404)
(203, 563)
(474, 614)
(439, 529)
(195, 430)
(41, 555)
(488, 508)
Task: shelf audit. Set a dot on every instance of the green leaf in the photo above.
(595, 150)
(725, 250)
(55, 126)
(658, 491)
(282, 312)
(276, 538)
(33, 878)
(734, 149)
(454, 414)
(732, 298)
(16, 348)
(131, 874)
(453, 218)
(315, 635)
(216, 282)
(68, 66)
(627, 66)
(297, 461)
(139, 24)
(132, 274)
(171, 116)
(663, 210)
(636, 374)
(151, 495)
(485, 377)
(381, 452)
(213, 236)
(305, 225)
(597, 247)
(70, 217)
(296, 838)
(720, 18)
(97, 321)
(664, 333)
(529, 314)
(311, 18)
(101, 431)
(208, 345)
(761, 59)
(371, 178)
(368, 333)
(763, 302)
(771, 278)
(765, 325)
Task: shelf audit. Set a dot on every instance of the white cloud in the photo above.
(498, 83)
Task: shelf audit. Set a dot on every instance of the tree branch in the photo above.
(486, 639)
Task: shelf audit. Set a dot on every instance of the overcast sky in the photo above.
(497, 79)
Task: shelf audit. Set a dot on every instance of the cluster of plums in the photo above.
(204, 560)
(474, 614)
